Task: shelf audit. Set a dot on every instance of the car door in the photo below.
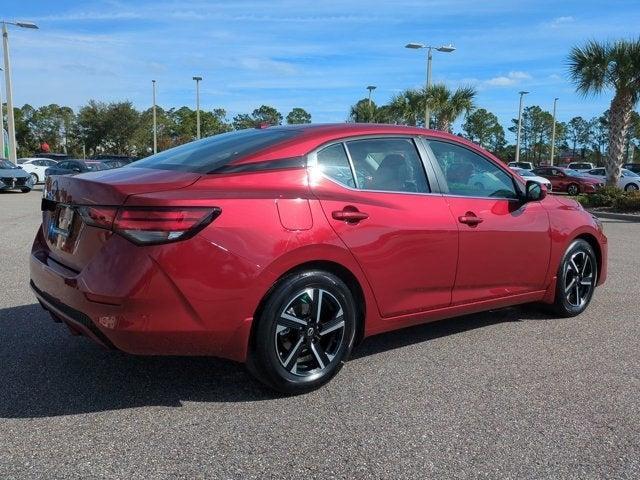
(376, 197)
(504, 244)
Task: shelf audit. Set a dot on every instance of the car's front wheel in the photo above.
(576, 280)
(34, 178)
(305, 332)
(573, 189)
(630, 187)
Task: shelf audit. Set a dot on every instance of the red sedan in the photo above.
(568, 180)
(283, 247)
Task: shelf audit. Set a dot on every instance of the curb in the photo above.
(617, 216)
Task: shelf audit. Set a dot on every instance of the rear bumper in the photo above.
(126, 301)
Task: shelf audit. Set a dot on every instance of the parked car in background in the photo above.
(529, 175)
(283, 247)
(123, 159)
(36, 167)
(53, 156)
(13, 177)
(522, 165)
(568, 180)
(580, 166)
(634, 167)
(628, 180)
(73, 167)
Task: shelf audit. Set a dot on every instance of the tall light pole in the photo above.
(371, 88)
(443, 48)
(155, 124)
(197, 79)
(553, 130)
(522, 94)
(7, 80)
(1, 124)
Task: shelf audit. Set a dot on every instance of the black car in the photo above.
(121, 159)
(73, 167)
(634, 167)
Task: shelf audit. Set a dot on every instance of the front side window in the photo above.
(470, 174)
(388, 165)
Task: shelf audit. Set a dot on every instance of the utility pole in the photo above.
(522, 94)
(155, 125)
(553, 130)
(198, 80)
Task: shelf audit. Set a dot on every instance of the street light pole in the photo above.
(443, 48)
(553, 130)
(155, 125)
(522, 94)
(7, 80)
(371, 88)
(197, 79)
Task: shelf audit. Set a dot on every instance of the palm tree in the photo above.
(447, 106)
(615, 65)
(407, 106)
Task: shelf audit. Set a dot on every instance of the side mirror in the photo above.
(75, 169)
(534, 191)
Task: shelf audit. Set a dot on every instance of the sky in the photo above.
(317, 55)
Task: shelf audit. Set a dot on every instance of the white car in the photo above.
(36, 167)
(629, 180)
(527, 175)
(581, 166)
(521, 165)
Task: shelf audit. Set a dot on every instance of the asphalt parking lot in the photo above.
(507, 394)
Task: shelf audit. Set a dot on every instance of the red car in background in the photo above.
(283, 247)
(567, 180)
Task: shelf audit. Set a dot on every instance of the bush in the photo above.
(611, 197)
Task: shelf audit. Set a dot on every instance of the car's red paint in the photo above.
(562, 178)
(410, 258)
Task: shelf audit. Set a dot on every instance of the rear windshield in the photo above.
(95, 166)
(209, 154)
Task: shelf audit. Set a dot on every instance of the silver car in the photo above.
(14, 178)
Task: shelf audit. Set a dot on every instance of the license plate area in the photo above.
(62, 230)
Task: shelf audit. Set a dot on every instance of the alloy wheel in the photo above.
(573, 189)
(579, 279)
(309, 332)
(630, 187)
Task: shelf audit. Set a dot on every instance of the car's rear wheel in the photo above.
(577, 276)
(305, 332)
(573, 189)
(25, 190)
(35, 178)
(630, 187)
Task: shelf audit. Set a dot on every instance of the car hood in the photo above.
(13, 172)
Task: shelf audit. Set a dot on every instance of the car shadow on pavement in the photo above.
(45, 372)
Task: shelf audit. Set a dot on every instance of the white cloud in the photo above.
(512, 78)
(561, 21)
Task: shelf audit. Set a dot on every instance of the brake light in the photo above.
(146, 226)
(101, 217)
(150, 225)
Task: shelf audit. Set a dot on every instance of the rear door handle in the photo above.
(349, 215)
(470, 219)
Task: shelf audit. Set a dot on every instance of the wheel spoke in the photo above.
(572, 262)
(320, 355)
(290, 321)
(587, 281)
(316, 304)
(294, 353)
(570, 286)
(584, 265)
(332, 325)
(578, 299)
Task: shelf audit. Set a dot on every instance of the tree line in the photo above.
(119, 128)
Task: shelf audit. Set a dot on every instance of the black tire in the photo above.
(25, 190)
(576, 282)
(292, 354)
(573, 189)
(630, 187)
(35, 178)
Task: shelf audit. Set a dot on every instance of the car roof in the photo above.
(312, 136)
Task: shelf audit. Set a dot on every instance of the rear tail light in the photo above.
(150, 225)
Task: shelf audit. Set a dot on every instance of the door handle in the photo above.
(470, 219)
(349, 215)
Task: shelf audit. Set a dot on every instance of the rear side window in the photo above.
(334, 163)
(209, 154)
(388, 165)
